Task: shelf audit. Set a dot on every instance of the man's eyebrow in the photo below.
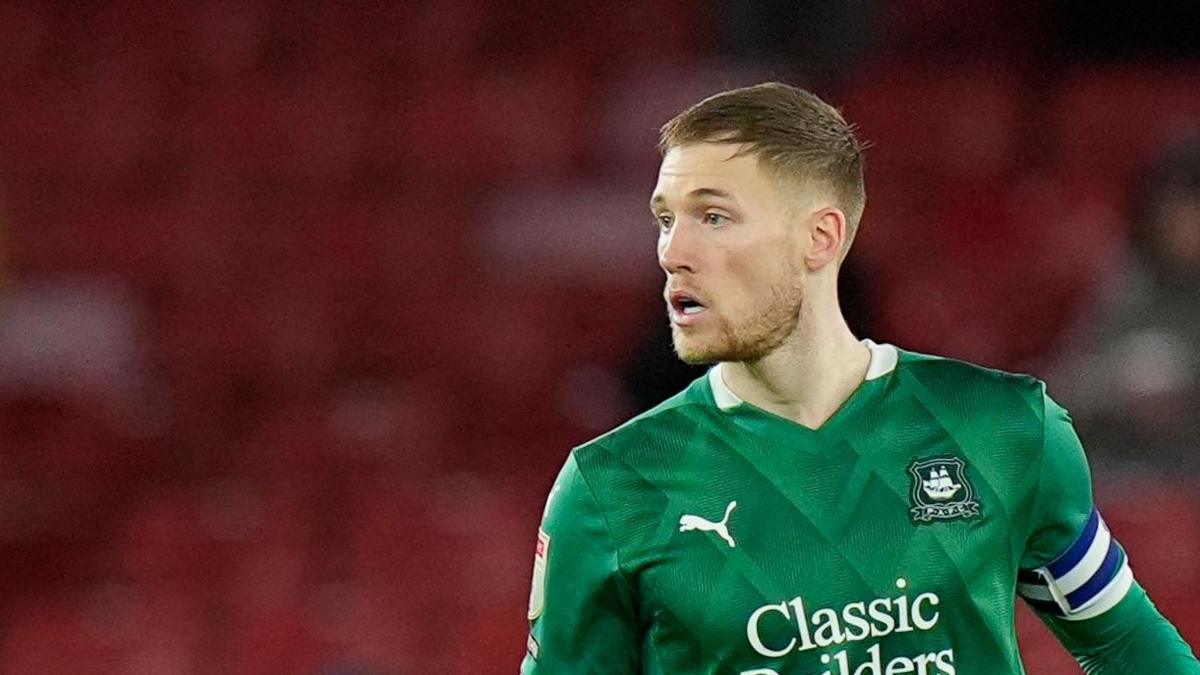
(698, 192)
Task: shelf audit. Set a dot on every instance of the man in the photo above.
(818, 504)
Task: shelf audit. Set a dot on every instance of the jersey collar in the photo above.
(883, 361)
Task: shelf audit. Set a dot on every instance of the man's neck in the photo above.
(807, 379)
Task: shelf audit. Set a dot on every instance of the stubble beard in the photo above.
(766, 329)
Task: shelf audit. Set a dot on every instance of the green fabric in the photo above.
(1129, 638)
(1064, 490)
(589, 625)
(832, 571)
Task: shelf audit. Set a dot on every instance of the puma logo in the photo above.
(689, 522)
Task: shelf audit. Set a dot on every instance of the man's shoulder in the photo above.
(995, 418)
(976, 398)
(674, 418)
(943, 375)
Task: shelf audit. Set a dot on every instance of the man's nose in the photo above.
(677, 249)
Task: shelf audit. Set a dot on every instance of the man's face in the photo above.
(732, 255)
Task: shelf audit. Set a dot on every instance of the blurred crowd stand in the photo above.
(1132, 376)
(304, 304)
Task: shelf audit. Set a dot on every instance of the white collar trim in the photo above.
(722, 394)
(883, 361)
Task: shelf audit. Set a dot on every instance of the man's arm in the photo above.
(1132, 637)
(582, 613)
(1077, 577)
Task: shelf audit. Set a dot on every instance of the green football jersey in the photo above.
(711, 536)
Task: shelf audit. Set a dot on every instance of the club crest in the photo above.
(941, 491)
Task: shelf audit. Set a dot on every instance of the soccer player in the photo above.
(816, 503)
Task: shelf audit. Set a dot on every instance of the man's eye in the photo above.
(715, 219)
(663, 222)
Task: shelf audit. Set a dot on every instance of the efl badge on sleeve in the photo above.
(537, 591)
(941, 491)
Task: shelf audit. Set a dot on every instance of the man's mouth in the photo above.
(685, 304)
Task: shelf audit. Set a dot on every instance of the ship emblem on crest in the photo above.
(941, 491)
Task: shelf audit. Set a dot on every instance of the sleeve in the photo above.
(582, 611)
(1077, 577)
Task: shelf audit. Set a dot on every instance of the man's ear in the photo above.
(827, 231)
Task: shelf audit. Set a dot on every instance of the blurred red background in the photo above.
(303, 305)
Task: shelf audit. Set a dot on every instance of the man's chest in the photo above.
(809, 562)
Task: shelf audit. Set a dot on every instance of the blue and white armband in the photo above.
(1090, 578)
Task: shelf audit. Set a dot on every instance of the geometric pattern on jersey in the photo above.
(830, 573)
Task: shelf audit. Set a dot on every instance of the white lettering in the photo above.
(843, 661)
(853, 616)
(852, 622)
(806, 642)
(923, 662)
(753, 636)
(827, 629)
(945, 662)
(878, 609)
(917, 618)
(840, 663)
(871, 667)
(902, 604)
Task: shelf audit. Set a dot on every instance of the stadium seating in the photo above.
(388, 266)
